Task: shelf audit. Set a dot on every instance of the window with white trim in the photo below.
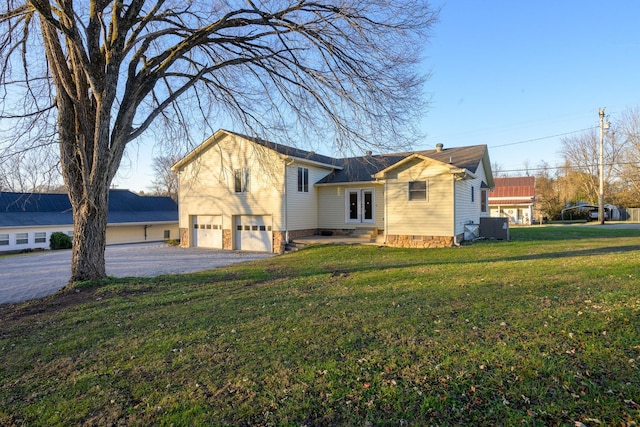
(418, 190)
(483, 201)
(40, 237)
(303, 180)
(4, 239)
(473, 194)
(22, 238)
(241, 180)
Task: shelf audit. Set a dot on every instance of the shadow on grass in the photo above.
(569, 254)
(337, 269)
(570, 232)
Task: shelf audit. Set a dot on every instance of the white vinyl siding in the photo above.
(302, 207)
(118, 234)
(430, 217)
(207, 184)
(468, 211)
(332, 206)
(33, 237)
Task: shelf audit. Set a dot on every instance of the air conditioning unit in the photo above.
(494, 228)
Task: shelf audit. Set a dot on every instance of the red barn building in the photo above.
(513, 198)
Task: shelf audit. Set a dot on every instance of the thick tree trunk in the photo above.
(89, 238)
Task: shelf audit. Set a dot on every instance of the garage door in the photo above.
(207, 231)
(253, 233)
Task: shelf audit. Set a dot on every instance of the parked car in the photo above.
(593, 214)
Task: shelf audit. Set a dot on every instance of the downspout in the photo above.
(453, 208)
(386, 212)
(286, 202)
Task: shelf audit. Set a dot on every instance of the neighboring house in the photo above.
(28, 219)
(513, 197)
(238, 192)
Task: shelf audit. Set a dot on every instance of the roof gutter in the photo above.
(335, 184)
(462, 173)
(293, 159)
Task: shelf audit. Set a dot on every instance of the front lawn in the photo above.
(541, 330)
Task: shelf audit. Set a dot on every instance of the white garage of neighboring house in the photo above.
(27, 220)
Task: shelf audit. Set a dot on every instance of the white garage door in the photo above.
(207, 231)
(253, 233)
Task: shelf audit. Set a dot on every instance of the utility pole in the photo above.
(603, 126)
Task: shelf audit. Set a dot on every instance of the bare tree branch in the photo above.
(342, 73)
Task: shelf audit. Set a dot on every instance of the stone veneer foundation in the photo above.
(184, 237)
(279, 238)
(227, 242)
(279, 241)
(402, 241)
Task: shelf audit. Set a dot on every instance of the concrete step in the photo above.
(293, 246)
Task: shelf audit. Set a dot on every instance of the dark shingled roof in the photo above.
(290, 151)
(358, 169)
(468, 158)
(362, 169)
(41, 209)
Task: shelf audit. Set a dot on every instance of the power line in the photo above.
(543, 137)
(574, 167)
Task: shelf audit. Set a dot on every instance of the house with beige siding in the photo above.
(27, 220)
(242, 193)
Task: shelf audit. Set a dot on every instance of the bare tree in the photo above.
(31, 171)
(498, 170)
(95, 75)
(165, 182)
(548, 202)
(581, 153)
(628, 126)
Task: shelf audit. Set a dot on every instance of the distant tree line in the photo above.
(576, 180)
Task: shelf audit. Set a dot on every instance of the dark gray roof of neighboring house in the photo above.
(42, 209)
(362, 169)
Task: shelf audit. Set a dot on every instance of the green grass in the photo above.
(541, 330)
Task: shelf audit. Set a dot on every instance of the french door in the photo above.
(360, 205)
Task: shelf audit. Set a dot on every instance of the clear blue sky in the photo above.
(507, 71)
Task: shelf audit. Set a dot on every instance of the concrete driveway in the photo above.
(36, 275)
